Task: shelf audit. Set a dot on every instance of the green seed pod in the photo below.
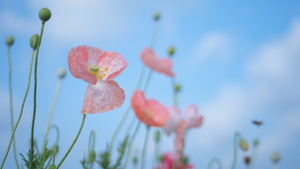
(156, 15)
(92, 156)
(61, 72)
(45, 14)
(9, 40)
(244, 145)
(34, 40)
(177, 87)
(171, 50)
(275, 157)
(52, 166)
(157, 136)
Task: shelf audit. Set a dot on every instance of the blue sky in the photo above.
(237, 61)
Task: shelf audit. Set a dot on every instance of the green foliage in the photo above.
(35, 161)
(104, 161)
(121, 150)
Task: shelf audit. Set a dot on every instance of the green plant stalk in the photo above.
(215, 160)
(34, 97)
(22, 108)
(156, 154)
(57, 132)
(145, 147)
(83, 119)
(130, 144)
(91, 139)
(236, 136)
(51, 111)
(11, 107)
(275, 166)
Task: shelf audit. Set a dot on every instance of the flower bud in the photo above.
(171, 50)
(52, 166)
(275, 157)
(177, 87)
(9, 40)
(247, 160)
(157, 136)
(256, 143)
(156, 15)
(244, 145)
(55, 148)
(61, 72)
(92, 156)
(45, 14)
(135, 160)
(34, 40)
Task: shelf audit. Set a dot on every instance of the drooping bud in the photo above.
(61, 72)
(171, 50)
(34, 41)
(275, 157)
(45, 14)
(157, 136)
(156, 15)
(177, 87)
(243, 144)
(247, 160)
(9, 40)
(92, 156)
(55, 148)
(52, 166)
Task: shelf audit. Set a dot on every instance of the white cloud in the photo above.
(215, 45)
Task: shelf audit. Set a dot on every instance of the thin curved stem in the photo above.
(51, 111)
(216, 161)
(57, 133)
(130, 126)
(11, 107)
(130, 144)
(147, 81)
(91, 139)
(34, 97)
(236, 137)
(83, 119)
(22, 107)
(145, 147)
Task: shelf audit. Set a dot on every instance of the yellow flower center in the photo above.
(98, 72)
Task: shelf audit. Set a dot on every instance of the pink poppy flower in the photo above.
(150, 112)
(161, 65)
(169, 159)
(98, 68)
(192, 118)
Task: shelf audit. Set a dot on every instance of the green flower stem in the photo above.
(11, 107)
(83, 119)
(51, 111)
(130, 144)
(91, 140)
(235, 140)
(57, 133)
(156, 154)
(130, 126)
(275, 166)
(217, 161)
(145, 147)
(175, 100)
(22, 107)
(34, 97)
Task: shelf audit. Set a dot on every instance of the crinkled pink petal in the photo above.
(155, 63)
(78, 59)
(138, 103)
(102, 97)
(192, 117)
(173, 120)
(114, 62)
(179, 140)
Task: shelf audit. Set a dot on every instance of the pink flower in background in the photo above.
(98, 68)
(161, 65)
(169, 159)
(150, 112)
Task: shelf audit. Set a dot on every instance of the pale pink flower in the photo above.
(161, 65)
(98, 68)
(150, 112)
(169, 159)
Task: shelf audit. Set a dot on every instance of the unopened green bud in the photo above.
(171, 50)
(156, 15)
(9, 40)
(177, 87)
(92, 156)
(247, 160)
(256, 143)
(135, 160)
(34, 41)
(61, 72)
(55, 148)
(45, 14)
(52, 166)
(275, 157)
(244, 145)
(157, 136)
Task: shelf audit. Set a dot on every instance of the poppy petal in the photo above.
(192, 117)
(173, 120)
